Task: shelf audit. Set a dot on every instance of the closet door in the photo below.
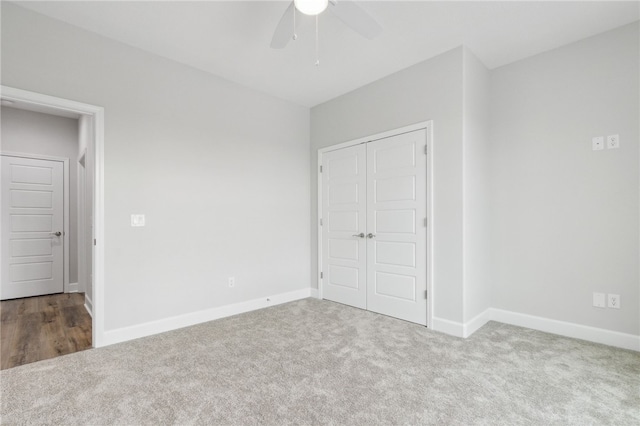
(396, 228)
(344, 226)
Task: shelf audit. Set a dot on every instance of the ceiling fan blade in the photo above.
(284, 30)
(356, 18)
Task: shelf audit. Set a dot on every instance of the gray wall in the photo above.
(564, 219)
(36, 133)
(430, 90)
(476, 209)
(221, 171)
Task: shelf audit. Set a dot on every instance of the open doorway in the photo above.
(51, 227)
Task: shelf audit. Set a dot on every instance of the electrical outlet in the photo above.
(613, 141)
(614, 301)
(597, 143)
(598, 300)
(232, 281)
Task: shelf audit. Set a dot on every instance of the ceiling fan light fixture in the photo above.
(311, 7)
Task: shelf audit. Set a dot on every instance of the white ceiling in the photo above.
(231, 38)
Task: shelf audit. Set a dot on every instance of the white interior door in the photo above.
(396, 226)
(374, 236)
(32, 227)
(344, 226)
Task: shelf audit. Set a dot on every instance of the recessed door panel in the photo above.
(32, 199)
(31, 247)
(395, 253)
(346, 193)
(395, 188)
(343, 276)
(31, 271)
(36, 175)
(394, 157)
(31, 223)
(32, 214)
(396, 286)
(341, 249)
(395, 221)
(343, 221)
(342, 166)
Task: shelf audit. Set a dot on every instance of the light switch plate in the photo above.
(598, 300)
(613, 141)
(137, 220)
(597, 143)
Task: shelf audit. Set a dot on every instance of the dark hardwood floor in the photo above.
(37, 328)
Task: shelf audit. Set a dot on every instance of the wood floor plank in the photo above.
(9, 310)
(77, 328)
(7, 333)
(70, 299)
(27, 305)
(53, 341)
(26, 347)
(37, 328)
(48, 306)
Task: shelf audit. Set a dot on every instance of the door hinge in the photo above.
(426, 294)
(321, 275)
(425, 222)
(320, 221)
(320, 169)
(426, 149)
(94, 242)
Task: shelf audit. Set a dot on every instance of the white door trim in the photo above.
(428, 126)
(67, 288)
(81, 206)
(96, 114)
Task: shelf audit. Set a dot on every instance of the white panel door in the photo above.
(344, 226)
(32, 227)
(396, 228)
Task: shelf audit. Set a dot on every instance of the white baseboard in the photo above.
(459, 329)
(562, 328)
(88, 305)
(476, 323)
(577, 331)
(180, 321)
(449, 327)
(315, 293)
(72, 288)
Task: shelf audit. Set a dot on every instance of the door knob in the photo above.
(57, 234)
(370, 235)
(360, 235)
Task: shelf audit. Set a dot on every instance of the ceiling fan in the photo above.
(347, 11)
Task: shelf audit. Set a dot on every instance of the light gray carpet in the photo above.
(317, 362)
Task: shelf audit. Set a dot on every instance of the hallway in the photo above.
(37, 328)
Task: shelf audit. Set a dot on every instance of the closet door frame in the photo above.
(428, 126)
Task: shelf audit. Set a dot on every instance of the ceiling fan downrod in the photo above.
(317, 50)
(295, 36)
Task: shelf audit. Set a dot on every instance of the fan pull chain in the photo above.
(317, 54)
(295, 36)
